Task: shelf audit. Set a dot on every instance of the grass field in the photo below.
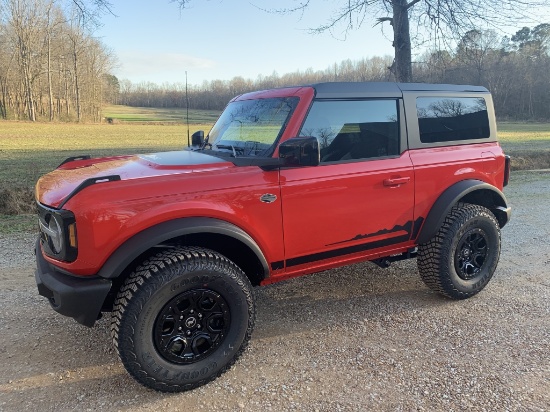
(527, 143)
(28, 150)
(156, 115)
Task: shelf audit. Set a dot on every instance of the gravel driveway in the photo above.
(355, 338)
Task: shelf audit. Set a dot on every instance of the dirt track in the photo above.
(355, 338)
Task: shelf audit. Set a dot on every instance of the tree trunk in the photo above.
(77, 86)
(29, 97)
(50, 90)
(3, 101)
(402, 67)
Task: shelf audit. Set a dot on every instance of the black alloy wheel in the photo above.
(471, 254)
(191, 326)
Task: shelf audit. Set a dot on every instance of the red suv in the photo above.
(288, 182)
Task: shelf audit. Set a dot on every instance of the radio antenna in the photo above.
(187, 104)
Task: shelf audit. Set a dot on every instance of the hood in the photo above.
(55, 188)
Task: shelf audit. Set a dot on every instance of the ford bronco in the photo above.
(288, 182)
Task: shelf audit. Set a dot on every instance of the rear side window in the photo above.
(445, 119)
(349, 130)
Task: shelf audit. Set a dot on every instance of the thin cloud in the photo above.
(136, 65)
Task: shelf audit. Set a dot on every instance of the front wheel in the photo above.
(182, 318)
(462, 257)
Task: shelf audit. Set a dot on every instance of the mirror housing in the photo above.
(300, 151)
(197, 139)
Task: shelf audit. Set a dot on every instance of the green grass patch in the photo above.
(118, 113)
(527, 143)
(18, 224)
(28, 150)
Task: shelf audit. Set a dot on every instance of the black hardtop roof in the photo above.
(385, 89)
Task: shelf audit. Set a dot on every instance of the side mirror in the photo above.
(300, 151)
(197, 139)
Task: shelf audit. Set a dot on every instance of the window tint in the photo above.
(349, 130)
(447, 119)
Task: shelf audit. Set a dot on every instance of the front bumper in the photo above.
(76, 297)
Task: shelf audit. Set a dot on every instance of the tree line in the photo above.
(51, 66)
(214, 94)
(515, 69)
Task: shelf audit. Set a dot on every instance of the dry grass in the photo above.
(16, 200)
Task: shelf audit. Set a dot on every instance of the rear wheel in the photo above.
(462, 257)
(182, 318)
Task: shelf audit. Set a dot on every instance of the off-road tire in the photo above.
(153, 292)
(461, 258)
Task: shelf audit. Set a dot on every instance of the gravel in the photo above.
(353, 338)
(17, 251)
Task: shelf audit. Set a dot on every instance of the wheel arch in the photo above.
(215, 234)
(468, 191)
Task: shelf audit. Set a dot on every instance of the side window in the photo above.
(353, 129)
(445, 119)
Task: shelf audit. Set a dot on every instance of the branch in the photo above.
(89, 11)
(357, 7)
(181, 3)
(301, 7)
(100, 5)
(412, 3)
(381, 20)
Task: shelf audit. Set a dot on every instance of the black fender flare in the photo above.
(155, 235)
(496, 202)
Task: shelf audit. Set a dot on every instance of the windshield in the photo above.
(251, 127)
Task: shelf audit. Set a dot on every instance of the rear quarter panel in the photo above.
(439, 165)
(438, 168)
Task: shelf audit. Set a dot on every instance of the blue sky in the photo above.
(219, 39)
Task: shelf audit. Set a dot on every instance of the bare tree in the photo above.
(77, 42)
(49, 61)
(27, 23)
(54, 19)
(475, 50)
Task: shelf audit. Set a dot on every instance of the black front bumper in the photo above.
(80, 298)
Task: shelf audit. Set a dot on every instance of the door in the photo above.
(360, 198)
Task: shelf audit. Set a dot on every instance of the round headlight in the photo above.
(56, 235)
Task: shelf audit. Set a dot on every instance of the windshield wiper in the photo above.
(205, 143)
(228, 147)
